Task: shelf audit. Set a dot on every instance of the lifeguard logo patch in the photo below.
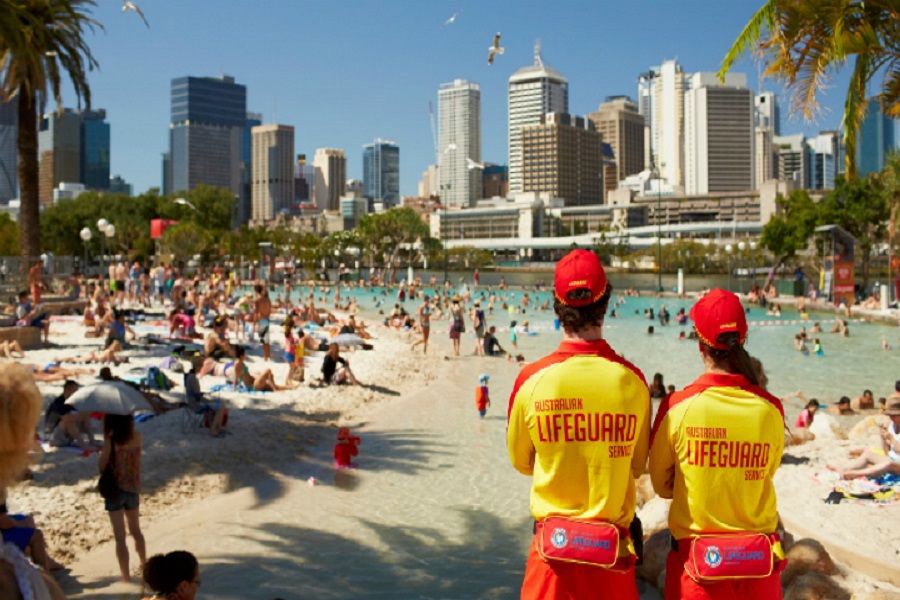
(559, 539)
(712, 557)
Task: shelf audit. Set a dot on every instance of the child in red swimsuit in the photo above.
(482, 396)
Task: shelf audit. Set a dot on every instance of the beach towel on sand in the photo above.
(882, 490)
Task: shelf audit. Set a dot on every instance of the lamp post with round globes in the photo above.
(741, 263)
(728, 250)
(85, 235)
(102, 224)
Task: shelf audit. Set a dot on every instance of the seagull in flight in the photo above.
(474, 164)
(495, 49)
(51, 53)
(449, 148)
(452, 19)
(128, 5)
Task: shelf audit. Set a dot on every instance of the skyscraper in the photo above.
(764, 156)
(718, 134)
(304, 180)
(459, 135)
(766, 113)
(534, 91)
(95, 150)
(381, 172)
(9, 152)
(59, 152)
(667, 122)
(622, 127)
(561, 156)
(245, 203)
(877, 139)
(792, 159)
(331, 178)
(206, 129)
(823, 150)
(429, 185)
(645, 108)
(273, 171)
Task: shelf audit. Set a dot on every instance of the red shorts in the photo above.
(557, 580)
(679, 585)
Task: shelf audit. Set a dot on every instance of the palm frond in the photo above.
(750, 36)
(890, 90)
(855, 107)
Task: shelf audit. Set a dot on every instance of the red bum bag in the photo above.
(731, 556)
(583, 542)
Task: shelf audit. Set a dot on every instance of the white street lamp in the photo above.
(110, 230)
(728, 248)
(742, 246)
(85, 234)
(101, 224)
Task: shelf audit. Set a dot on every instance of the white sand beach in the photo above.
(433, 509)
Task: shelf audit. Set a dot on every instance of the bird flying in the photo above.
(473, 164)
(449, 148)
(128, 5)
(495, 49)
(451, 20)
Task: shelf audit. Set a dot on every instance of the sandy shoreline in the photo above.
(269, 432)
(279, 438)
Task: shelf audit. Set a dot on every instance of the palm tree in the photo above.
(802, 42)
(40, 41)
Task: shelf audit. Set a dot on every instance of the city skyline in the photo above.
(385, 93)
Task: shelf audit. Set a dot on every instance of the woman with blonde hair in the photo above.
(20, 409)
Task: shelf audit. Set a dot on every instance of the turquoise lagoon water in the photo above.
(848, 366)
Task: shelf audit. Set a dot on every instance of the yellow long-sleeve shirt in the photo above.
(579, 424)
(714, 449)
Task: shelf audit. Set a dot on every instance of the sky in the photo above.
(346, 72)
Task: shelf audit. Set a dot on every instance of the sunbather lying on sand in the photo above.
(54, 372)
(874, 462)
(109, 355)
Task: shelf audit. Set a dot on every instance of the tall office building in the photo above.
(561, 156)
(9, 151)
(59, 152)
(495, 181)
(718, 135)
(117, 185)
(645, 109)
(766, 113)
(430, 183)
(95, 150)
(534, 91)
(205, 132)
(622, 127)
(304, 179)
(459, 135)
(764, 156)
(244, 211)
(823, 150)
(331, 178)
(792, 159)
(667, 122)
(381, 172)
(878, 137)
(273, 171)
(166, 174)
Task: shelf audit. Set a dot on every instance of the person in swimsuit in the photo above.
(457, 324)
(122, 445)
(331, 373)
(264, 382)
(424, 323)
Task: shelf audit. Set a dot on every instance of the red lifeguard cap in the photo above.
(716, 313)
(579, 270)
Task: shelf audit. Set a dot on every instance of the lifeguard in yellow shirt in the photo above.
(715, 447)
(579, 424)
